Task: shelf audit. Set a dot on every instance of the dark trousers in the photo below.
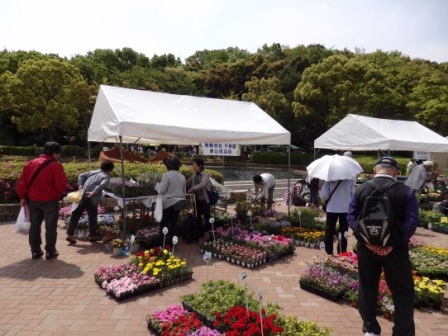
(202, 210)
(330, 230)
(39, 211)
(169, 220)
(92, 212)
(398, 272)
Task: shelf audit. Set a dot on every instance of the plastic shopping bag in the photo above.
(158, 211)
(75, 196)
(23, 222)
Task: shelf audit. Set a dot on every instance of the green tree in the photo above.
(46, 95)
(266, 93)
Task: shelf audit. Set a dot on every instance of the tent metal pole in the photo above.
(289, 176)
(123, 188)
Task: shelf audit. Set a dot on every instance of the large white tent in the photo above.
(360, 133)
(152, 117)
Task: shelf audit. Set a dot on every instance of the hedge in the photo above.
(282, 158)
(11, 171)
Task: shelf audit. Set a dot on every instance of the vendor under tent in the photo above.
(360, 133)
(134, 116)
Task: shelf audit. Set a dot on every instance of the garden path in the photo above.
(59, 297)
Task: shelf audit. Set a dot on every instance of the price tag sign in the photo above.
(340, 235)
(430, 226)
(165, 230)
(207, 256)
(175, 240)
(259, 295)
(211, 220)
(132, 239)
(299, 213)
(231, 216)
(243, 275)
(322, 246)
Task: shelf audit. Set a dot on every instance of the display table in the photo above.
(146, 201)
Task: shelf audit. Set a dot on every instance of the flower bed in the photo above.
(325, 281)
(430, 261)
(147, 271)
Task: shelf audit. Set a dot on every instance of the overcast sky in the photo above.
(417, 28)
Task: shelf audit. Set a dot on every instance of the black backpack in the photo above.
(377, 223)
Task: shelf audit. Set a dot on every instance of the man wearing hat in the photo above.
(394, 260)
(419, 175)
(172, 188)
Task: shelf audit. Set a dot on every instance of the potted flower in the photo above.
(117, 246)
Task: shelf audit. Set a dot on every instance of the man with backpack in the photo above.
(383, 215)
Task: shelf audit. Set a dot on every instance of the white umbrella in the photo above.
(334, 168)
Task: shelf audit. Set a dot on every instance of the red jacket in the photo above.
(49, 185)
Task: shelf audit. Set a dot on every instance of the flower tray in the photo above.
(169, 282)
(152, 328)
(321, 292)
(139, 291)
(201, 316)
(439, 229)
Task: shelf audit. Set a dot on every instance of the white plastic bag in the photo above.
(158, 211)
(23, 222)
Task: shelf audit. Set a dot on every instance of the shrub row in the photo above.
(11, 171)
(66, 151)
(281, 158)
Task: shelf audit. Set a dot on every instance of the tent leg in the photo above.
(123, 188)
(289, 176)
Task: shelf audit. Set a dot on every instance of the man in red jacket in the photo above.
(41, 185)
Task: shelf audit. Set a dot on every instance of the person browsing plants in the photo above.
(92, 184)
(383, 215)
(40, 187)
(264, 188)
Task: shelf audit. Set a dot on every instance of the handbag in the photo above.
(158, 211)
(75, 196)
(23, 222)
(324, 208)
(213, 195)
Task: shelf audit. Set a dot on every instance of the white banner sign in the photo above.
(221, 149)
(421, 155)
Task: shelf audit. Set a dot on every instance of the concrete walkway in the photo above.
(60, 297)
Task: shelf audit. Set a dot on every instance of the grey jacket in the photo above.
(200, 188)
(172, 188)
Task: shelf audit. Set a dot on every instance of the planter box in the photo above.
(439, 229)
(320, 292)
(169, 282)
(153, 329)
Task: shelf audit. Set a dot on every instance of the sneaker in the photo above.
(71, 239)
(37, 255)
(371, 334)
(52, 255)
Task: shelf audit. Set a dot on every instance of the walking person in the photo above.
(172, 189)
(40, 187)
(264, 188)
(197, 184)
(337, 196)
(92, 184)
(394, 260)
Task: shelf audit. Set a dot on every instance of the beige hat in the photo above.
(428, 163)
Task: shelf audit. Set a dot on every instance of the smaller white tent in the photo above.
(361, 133)
(153, 117)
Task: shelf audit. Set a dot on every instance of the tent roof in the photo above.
(361, 133)
(152, 117)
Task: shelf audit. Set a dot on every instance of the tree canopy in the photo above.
(306, 88)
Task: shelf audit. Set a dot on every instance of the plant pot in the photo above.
(354, 304)
(108, 247)
(312, 245)
(134, 248)
(302, 242)
(116, 251)
(307, 244)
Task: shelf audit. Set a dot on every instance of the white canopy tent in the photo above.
(360, 133)
(133, 116)
(152, 117)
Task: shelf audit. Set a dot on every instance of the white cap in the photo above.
(428, 163)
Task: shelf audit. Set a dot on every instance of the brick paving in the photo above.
(59, 297)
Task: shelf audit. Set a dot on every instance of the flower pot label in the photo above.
(207, 256)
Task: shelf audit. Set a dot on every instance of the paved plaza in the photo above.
(60, 297)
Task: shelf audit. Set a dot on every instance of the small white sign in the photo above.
(259, 295)
(421, 155)
(243, 275)
(132, 239)
(175, 240)
(165, 230)
(430, 226)
(116, 208)
(207, 256)
(211, 220)
(322, 245)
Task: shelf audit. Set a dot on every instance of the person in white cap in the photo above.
(419, 175)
